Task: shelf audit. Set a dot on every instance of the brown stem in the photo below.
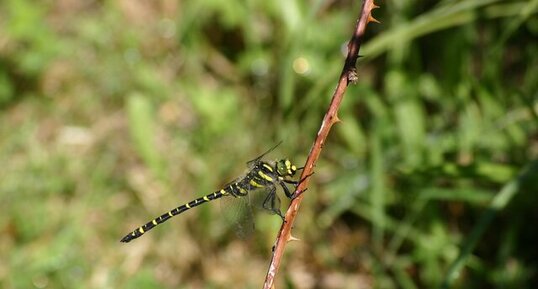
(348, 75)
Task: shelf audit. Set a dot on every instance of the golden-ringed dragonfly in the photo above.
(262, 175)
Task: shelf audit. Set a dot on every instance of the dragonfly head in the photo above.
(285, 168)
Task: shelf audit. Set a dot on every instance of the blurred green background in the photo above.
(113, 112)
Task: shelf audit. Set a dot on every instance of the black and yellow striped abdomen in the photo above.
(164, 217)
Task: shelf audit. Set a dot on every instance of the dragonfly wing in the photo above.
(267, 200)
(238, 211)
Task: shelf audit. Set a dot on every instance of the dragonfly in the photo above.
(263, 176)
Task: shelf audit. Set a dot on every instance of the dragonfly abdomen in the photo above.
(164, 217)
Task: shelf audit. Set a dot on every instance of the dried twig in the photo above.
(348, 75)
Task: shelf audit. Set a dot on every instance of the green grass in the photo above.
(112, 113)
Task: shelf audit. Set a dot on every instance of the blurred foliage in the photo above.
(112, 112)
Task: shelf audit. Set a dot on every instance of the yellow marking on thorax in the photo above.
(268, 167)
(263, 175)
(253, 182)
(141, 230)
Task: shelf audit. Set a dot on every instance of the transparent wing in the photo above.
(267, 200)
(238, 211)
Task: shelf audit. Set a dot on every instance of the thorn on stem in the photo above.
(372, 19)
(336, 119)
(291, 238)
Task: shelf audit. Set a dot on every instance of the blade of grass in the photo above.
(439, 19)
(377, 197)
(141, 128)
(498, 203)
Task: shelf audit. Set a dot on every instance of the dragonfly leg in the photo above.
(306, 177)
(299, 193)
(272, 203)
(296, 184)
(286, 189)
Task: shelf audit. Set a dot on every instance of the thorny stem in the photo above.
(348, 75)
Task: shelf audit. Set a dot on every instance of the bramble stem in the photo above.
(348, 75)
